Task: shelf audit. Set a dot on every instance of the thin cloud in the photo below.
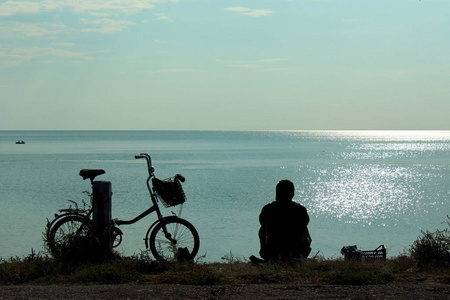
(272, 70)
(243, 66)
(21, 55)
(106, 26)
(270, 60)
(351, 20)
(162, 17)
(33, 30)
(96, 14)
(256, 68)
(68, 45)
(259, 65)
(179, 71)
(10, 8)
(256, 13)
(99, 14)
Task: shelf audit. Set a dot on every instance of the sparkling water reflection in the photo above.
(365, 193)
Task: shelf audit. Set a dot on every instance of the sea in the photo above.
(364, 188)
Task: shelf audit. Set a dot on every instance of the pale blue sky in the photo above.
(224, 65)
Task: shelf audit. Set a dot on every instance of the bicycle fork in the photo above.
(168, 235)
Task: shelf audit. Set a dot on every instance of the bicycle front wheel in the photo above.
(69, 235)
(181, 243)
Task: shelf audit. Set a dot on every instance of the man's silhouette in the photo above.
(284, 233)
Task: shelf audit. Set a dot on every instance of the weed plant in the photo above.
(432, 249)
(41, 269)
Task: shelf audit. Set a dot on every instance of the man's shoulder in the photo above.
(298, 205)
(290, 205)
(300, 208)
(269, 205)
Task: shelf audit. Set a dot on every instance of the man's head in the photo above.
(285, 191)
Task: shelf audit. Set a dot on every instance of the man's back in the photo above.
(284, 233)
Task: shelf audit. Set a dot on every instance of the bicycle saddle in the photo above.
(91, 174)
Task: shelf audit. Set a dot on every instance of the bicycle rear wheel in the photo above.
(70, 236)
(183, 244)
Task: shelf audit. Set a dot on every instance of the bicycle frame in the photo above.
(154, 207)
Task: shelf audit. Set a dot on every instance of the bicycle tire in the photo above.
(185, 235)
(66, 232)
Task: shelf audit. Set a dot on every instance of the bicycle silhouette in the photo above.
(169, 238)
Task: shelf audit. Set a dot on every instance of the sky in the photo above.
(224, 65)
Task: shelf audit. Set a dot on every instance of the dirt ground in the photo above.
(260, 291)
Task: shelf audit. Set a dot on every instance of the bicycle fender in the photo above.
(153, 225)
(117, 229)
(59, 217)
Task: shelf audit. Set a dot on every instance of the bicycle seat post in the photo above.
(101, 214)
(101, 208)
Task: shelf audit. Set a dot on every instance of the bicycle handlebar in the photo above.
(151, 169)
(142, 155)
(149, 162)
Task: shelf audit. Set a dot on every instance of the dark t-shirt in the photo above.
(284, 232)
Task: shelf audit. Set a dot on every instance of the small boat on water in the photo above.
(20, 142)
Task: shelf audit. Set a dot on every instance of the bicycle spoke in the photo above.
(67, 232)
(183, 242)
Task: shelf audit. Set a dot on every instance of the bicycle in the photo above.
(168, 238)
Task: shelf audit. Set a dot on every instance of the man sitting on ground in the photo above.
(284, 233)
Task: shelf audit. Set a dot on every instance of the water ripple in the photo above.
(365, 193)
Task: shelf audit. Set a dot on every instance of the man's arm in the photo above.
(263, 216)
(306, 216)
(303, 214)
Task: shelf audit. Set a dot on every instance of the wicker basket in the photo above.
(170, 191)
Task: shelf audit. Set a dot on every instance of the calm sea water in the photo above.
(360, 187)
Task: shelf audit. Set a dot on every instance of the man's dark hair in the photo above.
(285, 191)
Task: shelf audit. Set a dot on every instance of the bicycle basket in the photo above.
(169, 191)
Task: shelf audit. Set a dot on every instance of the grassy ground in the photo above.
(427, 260)
(41, 269)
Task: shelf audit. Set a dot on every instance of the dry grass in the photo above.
(38, 269)
(427, 260)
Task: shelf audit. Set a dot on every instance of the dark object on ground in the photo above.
(183, 254)
(353, 253)
(257, 260)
